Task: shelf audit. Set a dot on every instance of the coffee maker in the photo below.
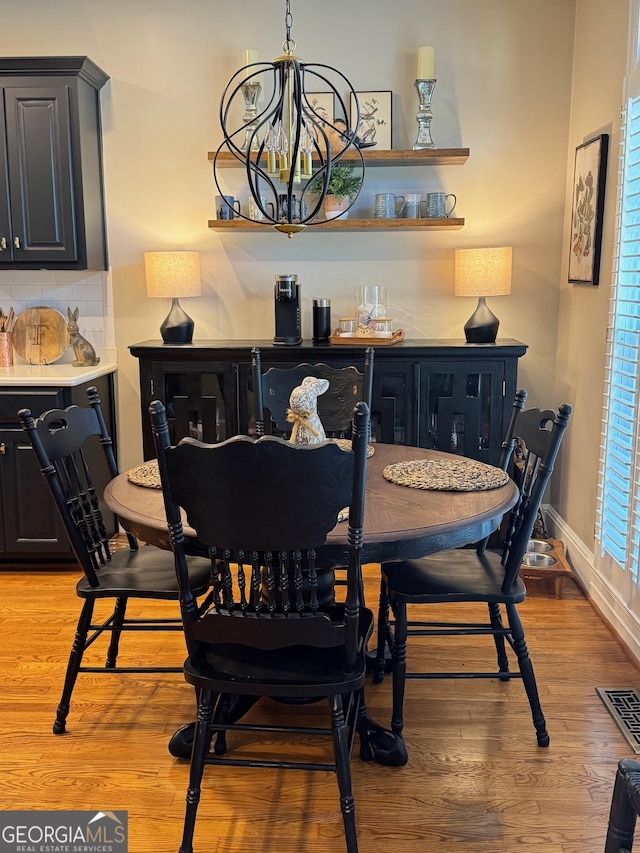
(287, 310)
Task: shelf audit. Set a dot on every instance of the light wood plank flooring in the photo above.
(476, 780)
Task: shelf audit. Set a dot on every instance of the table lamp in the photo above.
(173, 275)
(482, 273)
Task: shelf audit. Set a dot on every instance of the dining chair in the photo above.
(625, 807)
(272, 390)
(266, 633)
(480, 575)
(382, 663)
(68, 443)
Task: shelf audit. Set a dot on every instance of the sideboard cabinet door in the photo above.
(200, 398)
(464, 406)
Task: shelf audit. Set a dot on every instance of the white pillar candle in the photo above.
(249, 56)
(426, 63)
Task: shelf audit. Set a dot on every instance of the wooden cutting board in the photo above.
(40, 335)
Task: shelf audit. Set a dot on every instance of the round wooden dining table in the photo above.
(399, 522)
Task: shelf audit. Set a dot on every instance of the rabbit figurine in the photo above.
(85, 355)
(303, 411)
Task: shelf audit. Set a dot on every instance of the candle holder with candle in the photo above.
(425, 84)
(251, 90)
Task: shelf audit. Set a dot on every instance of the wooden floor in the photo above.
(476, 780)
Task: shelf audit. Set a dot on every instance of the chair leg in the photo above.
(343, 772)
(73, 666)
(384, 640)
(528, 677)
(201, 741)
(119, 613)
(496, 623)
(622, 817)
(399, 662)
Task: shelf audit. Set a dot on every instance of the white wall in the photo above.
(598, 75)
(504, 70)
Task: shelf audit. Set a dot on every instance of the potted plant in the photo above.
(344, 185)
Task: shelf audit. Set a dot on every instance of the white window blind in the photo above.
(618, 523)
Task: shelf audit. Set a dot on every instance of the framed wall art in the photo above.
(375, 118)
(322, 103)
(587, 209)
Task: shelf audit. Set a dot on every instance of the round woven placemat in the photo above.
(345, 444)
(146, 475)
(453, 475)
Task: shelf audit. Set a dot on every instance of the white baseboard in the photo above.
(604, 598)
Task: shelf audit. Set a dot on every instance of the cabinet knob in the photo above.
(16, 242)
(3, 243)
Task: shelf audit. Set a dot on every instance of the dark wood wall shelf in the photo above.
(431, 224)
(397, 157)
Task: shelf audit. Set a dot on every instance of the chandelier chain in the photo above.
(288, 23)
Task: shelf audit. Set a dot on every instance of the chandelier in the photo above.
(289, 141)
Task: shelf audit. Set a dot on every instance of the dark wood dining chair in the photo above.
(272, 389)
(625, 807)
(479, 575)
(66, 442)
(263, 507)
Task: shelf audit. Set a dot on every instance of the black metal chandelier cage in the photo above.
(288, 147)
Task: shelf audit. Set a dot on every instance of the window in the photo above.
(618, 528)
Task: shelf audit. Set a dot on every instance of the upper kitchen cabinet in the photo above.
(51, 197)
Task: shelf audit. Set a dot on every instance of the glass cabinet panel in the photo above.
(463, 410)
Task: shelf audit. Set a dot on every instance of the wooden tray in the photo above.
(40, 335)
(366, 340)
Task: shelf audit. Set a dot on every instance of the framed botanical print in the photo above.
(374, 126)
(587, 210)
(322, 104)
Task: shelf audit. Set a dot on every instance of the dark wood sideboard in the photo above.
(443, 394)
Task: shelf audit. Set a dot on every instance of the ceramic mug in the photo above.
(298, 208)
(386, 205)
(225, 206)
(411, 207)
(256, 211)
(436, 205)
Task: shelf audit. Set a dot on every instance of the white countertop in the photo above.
(57, 374)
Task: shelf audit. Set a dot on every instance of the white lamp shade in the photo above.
(483, 272)
(172, 274)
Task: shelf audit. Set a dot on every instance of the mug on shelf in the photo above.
(411, 207)
(298, 208)
(386, 205)
(439, 205)
(256, 211)
(225, 206)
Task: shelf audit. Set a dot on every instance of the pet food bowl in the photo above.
(539, 546)
(533, 559)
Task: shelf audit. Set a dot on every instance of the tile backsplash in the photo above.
(90, 291)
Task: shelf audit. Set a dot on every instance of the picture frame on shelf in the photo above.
(323, 104)
(374, 126)
(589, 176)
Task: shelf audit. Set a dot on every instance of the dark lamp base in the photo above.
(482, 325)
(178, 325)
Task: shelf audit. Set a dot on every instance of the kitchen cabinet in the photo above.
(373, 158)
(51, 200)
(448, 395)
(30, 529)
